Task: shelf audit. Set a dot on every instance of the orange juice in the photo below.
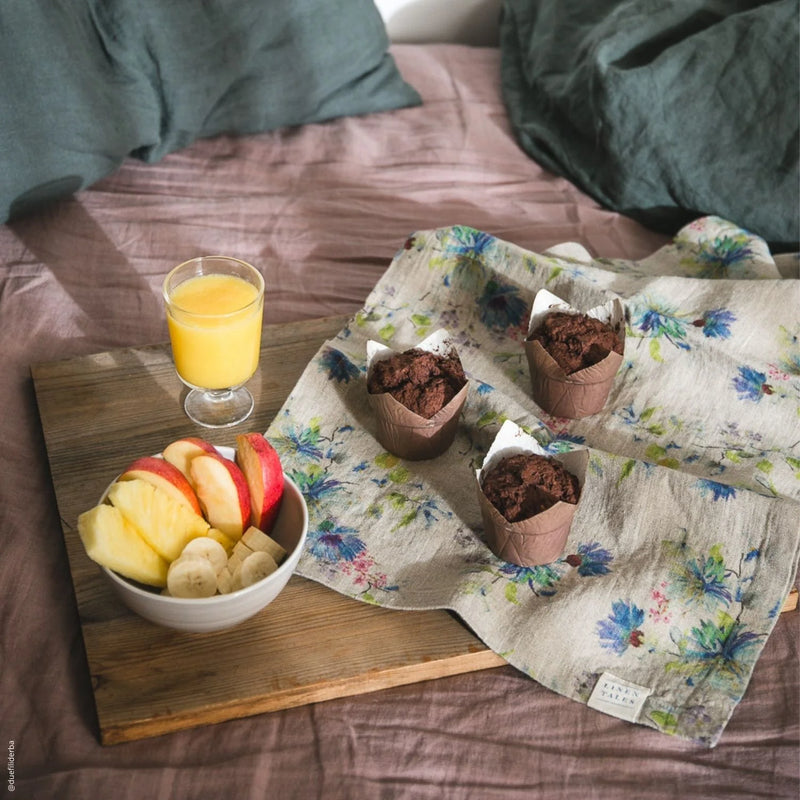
(215, 328)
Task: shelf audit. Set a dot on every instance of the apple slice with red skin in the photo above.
(180, 452)
(165, 476)
(223, 493)
(262, 468)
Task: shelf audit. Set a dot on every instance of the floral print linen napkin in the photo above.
(686, 538)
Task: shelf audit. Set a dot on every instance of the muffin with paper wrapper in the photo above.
(417, 396)
(538, 492)
(573, 357)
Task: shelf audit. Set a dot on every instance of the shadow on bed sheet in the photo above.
(101, 281)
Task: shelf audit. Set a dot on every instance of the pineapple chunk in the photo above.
(222, 538)
(111, 541)
(163, 523)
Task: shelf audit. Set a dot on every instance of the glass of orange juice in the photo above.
(214, 309)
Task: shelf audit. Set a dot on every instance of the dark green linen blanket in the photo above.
(663, 111)
(86, 83)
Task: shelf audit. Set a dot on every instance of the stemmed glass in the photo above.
(214, 308)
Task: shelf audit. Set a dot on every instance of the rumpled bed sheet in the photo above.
(322, 210)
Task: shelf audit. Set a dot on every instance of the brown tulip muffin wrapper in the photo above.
(532, 542)
(405, 433)
(540, 539)
(582, 393)
(574, 396)
(410, 436)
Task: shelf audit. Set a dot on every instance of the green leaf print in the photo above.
(511, 593)
(387, 332)
(658, 454)
(554, 273)
(386, 460)
(422, 324)
(398, 475)
(655, 452)
(397, 500)
(488, 417)
(666, 722)
(655, 350)
(627, 469)
(407, 519)
(363, 317)
(420, 320)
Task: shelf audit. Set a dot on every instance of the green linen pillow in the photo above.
(662, 111)
(86, 83)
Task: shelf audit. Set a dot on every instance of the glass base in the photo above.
(218, 408)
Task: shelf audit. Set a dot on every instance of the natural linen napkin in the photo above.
(685, 542)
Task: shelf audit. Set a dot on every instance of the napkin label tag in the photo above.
(618, 697)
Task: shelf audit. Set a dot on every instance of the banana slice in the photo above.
(191, 576)
(256, 539)
(255, 567)
(225, 581)
(208, 548)
(241, 551)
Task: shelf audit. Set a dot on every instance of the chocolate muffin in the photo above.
(576, 341)
(423, 382)
(523, 485)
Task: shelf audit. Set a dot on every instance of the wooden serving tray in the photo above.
(98, 413)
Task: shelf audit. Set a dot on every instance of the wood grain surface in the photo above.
(98, 413)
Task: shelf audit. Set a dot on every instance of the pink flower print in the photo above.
(359, 569)
(778, 374)
(660, 611)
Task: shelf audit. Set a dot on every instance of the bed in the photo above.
(334, 205)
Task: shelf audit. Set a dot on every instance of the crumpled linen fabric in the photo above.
(662, 111)
(686, 538)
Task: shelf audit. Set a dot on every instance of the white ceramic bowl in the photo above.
(200, 615)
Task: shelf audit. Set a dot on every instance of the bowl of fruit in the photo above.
(199, 538)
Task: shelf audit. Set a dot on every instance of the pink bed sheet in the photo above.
(321, 209)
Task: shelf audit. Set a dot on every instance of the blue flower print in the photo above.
(564, 442)
(718, 491)
(657, 321)
(590, 560)
(723, 651)
(338, 366)
(303, 442)
(540, 580)
(722, 253)
(314, 483)
(620, 629)
(751, 384)
(500, 306)
(701, 581)
(332, 543)
(467, 242)
(716, 323)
